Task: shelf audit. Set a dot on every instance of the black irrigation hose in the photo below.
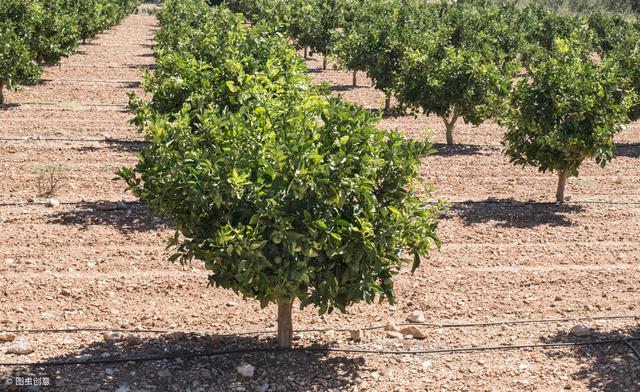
(68, 139)
(74, 103)
(453, 350)
(455, 204)
(633, 348)
(74, 203)
(423, 325)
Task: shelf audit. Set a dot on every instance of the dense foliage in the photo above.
(38, 32)
(566, 111)
(283, 192)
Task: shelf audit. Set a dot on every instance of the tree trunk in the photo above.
(306, 53)
(285, 324)
(355, 78)
(387, 102)
(324, 61)
(562, 181)
(1, 93)
(450, 125)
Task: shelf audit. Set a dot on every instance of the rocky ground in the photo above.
(93, 258)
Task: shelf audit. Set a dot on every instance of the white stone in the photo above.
(416, 317)
(425, 364)
(53, 202)
(20, 347)
(245, 370)
(112, 337)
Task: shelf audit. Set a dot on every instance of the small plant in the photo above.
(51, 180)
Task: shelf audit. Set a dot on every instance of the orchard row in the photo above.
(34, 33)
(576, 77)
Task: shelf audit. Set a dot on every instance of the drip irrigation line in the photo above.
(452, 350)
(91, 81)
(515, 203)
(64, 105)
(74, 203)
(632, 348)
(370, 328)
(69, 139)
(455, 204)
(87, 329)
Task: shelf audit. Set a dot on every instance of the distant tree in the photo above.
(566, 111)
(16, 60)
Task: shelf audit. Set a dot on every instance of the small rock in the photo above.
(134, 340)
(9, 261)
(112, 337)
(261, 388)
(567, 198)
(416, 332)
(356, 335)
(580, 331)
(394, 334)
(524, 366)
(83, 357)
(123, 388)
(52, 203)
(232, 303)
(7, 337)
(108, 371)
(425, 364)
(391, 326)
(175, 336)
(164, 373)
(65, 291)
(558, 298)
(416, 317)
(245, 370)
(20, 347)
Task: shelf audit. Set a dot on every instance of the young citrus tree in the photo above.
(16, 60)
(568, 110)
(453, 73)
(626, 56)
(283, 193)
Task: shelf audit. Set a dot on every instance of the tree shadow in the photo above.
(629, 150)
(196, 362)
(7, 106)
(447, 150)
(515, 214)
(609, 367)
(130, 146)
(127, 217)
(141, 66)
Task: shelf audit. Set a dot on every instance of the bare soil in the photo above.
(100, 261)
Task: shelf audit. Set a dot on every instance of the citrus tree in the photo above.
(313, 24)
(282, 192)
(16, 61)
(609, 30)
(568, 110)
(457, 69)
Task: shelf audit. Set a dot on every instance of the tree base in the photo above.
(285, 324)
